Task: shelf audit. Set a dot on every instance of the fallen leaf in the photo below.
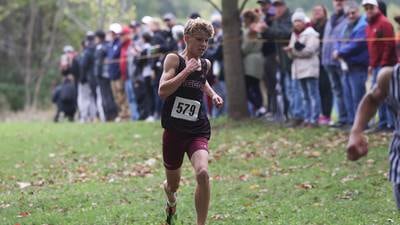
(305, 186)
(244, 177)
(23, 214)
(23, 185)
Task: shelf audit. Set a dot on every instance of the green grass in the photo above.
(261, 174)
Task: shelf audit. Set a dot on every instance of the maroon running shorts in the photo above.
(175, 145)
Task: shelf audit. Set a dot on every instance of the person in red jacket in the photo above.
(381, 48)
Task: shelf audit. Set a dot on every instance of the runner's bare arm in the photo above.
(371, 101)
(357, 146)
(170, 81)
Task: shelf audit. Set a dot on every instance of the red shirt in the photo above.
(123, 60)
(381, 52)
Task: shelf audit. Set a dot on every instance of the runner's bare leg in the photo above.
(202, 196)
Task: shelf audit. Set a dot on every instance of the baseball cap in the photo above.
(116, 28)
(68, 48)
(264, 1)
(278, 2)
(169, 16)
(370, 2)
(126, 30)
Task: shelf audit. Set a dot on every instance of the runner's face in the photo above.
(197, 44)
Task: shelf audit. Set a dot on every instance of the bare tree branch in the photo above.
(49, 52)
(214, 5)
(242, 6)
(70, 15)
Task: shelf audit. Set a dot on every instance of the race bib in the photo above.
(185, 109)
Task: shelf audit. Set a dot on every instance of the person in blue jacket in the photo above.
(352, 53)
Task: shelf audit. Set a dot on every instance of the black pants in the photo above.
(325, 91)
(253, 91)
(270, 68)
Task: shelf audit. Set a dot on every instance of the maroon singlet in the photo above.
(184, 111)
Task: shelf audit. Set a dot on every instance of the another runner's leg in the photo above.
(202, 196)
(172, 184)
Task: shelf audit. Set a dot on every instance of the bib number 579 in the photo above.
(185, 109)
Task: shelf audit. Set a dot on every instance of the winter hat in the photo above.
(299, 15)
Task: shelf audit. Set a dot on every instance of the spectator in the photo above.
(160, 46)
(170, 22)
(280, 30)
(145, 64)
(270, 63)
(381, 53)
(129, 100)
(333, 30)
(113, 59)
(177, 34)
(382, 7)
(304, 49)
(252, 57)
(64, 96)
(87, 81)
(106, 106)
(194, 15)
(215, 54)
(354, 53)
(318, 22)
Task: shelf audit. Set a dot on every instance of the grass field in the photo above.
(261, 174)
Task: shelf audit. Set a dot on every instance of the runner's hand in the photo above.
(357, 147)
(192, 65)
(218, 101)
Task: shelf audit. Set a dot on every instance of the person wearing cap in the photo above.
(381, 53)
(105, 102)
(304, 49)
(87, 82)
(281, 30)
(333, 29)
(270, 63)
(355, 55)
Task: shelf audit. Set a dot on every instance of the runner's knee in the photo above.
(202, 176)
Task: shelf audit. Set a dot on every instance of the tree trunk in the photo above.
(233, 63)
(45, 64)
(33, 12)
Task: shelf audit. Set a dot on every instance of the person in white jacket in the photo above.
(304, 50)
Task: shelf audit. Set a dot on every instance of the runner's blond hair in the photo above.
(198, 25)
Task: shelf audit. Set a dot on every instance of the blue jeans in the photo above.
(311, 99)
(335, 73)
(130, 95)
(293, 95)
(353, 83)
(220, 88)
(385, 116)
